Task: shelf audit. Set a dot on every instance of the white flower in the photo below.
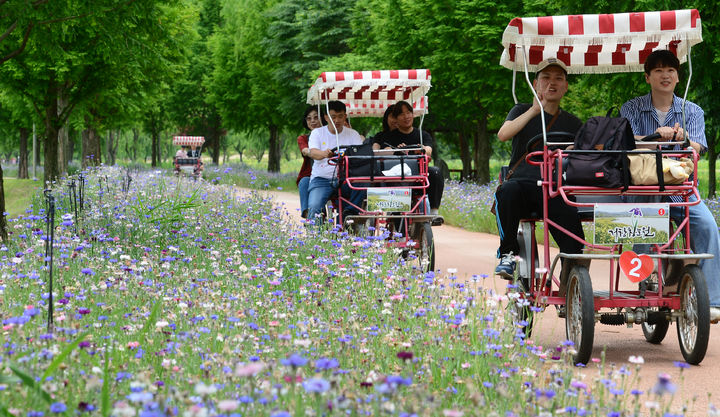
(636, 359)
(249, 369)
(202, 389)
(227, 405)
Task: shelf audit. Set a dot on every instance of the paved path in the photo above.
(474, 253)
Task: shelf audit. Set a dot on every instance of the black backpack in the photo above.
(597, 167)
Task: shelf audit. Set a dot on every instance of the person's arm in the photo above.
(314, 150)
(512, 127)
(302, 141)
(318, 154)
(696, 130)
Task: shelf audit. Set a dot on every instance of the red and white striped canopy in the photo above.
(188, 140)
(369, 93)
(600, 43)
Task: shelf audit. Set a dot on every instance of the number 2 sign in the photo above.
(636, 267)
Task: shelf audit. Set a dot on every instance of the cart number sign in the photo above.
(389, 199)
(632, 223)
(636, 267)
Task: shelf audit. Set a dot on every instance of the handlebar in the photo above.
(531, 143)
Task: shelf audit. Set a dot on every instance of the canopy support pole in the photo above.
(534, 93)
(514, 81)
(687, 88)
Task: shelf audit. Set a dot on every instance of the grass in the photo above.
(18, 194)
(188, 298)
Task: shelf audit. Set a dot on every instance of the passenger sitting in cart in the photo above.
(324, 179)
(389, 123)
(181, 153)
(662, 70)
(519, 196)
(407, 135)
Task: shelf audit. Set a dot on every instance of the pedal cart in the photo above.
(187, 161)
(651, 290)
(396, 209)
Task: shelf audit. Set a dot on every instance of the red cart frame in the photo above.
(676, 290)
(368, 94)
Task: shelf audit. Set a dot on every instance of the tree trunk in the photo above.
(482, 150)
(23, 157)
(155, 148)
(465, 155)
(239, 150)
(62, 103)
(52, 171)
(111, 146)
(70, 149)
(3, 220)
(133, 148)
(712, 163)
(274, 150)
(91, 152)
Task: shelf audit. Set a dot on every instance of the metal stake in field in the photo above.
(72, 196)
(126, 182)
(81, 190)
(49, 243)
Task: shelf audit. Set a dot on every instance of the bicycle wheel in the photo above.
(422, 255)
(693, 324)
(580, 310)
(655, 333)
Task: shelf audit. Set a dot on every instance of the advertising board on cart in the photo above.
(629, 223)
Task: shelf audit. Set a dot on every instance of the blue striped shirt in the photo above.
(644, 120)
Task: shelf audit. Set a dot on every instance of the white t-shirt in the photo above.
(322, 139)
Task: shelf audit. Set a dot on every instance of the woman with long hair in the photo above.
(311, 120)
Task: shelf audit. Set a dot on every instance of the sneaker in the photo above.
(506, 268)
(714, 314)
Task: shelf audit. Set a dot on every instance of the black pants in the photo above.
(437, 186)
(522, 199)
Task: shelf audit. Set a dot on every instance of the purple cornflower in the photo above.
(294, 360)
(317, 385)
(58, 407)
(326, 363)
(663, 385)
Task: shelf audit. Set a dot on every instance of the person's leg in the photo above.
(303, 186)
(514, 201)
(565, 216)
(511, 206)
(355, 196)
(319, 191)
(436, 188)
(704, 238)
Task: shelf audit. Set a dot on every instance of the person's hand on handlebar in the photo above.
(318, 154)
(670, 134)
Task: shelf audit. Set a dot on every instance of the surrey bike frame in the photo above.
(528, 40)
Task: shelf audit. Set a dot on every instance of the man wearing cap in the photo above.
(519, 196)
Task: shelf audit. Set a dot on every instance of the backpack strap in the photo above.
(659, 170)
(625, 169)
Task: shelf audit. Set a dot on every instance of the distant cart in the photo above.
(187, 160)
(396, 181)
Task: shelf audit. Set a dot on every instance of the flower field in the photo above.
(178, 298)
